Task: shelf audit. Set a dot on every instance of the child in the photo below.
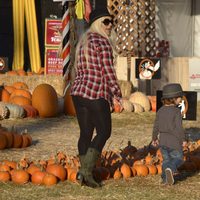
(169, 133)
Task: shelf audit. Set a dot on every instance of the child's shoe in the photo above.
(169, 176)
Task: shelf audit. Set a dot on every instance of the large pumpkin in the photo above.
(45, 100)
(68, 104)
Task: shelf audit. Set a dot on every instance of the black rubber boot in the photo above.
(89, 162)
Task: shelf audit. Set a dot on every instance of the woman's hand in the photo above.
(117, 106)
(155, 143)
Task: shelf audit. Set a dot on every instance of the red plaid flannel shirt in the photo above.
(98, 80)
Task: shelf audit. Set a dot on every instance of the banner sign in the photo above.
(194, 76)
(148, 68)
(53, 63)
(53, 32)
(188, 105)
(3, 64)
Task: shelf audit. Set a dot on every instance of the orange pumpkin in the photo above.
(20, 85)
(20, 100)
(21, 72)
(26, 140)
(125, 170)
(4, 176)
(20, 176)
(153, 101)
(9, 88)
(12, 73)
(117, 174)
(21, 92)
(152, 169)
(37, 177)
(17, 140)
(9, 138)
(32, 169)
(12, 164)
(142, 170)
(45, 100)
(58, 170)
(30, 111)
(49, 179)
(4, 95)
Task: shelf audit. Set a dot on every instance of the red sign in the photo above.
(53, 62)
(53, 32)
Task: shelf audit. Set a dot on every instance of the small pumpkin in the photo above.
(9, 138)
(30, 111)
(20, 100)
(142, 170)
(21, 92)
(152, 169)
(117, 174)
(4, 176)
(20, 176)
(58, 170)
(37, 177)
(15, 111)
(9, 88)
(49, 179)
(125, 170)
(26, 140)
(20, 85)
(5, 95)
(17, 140)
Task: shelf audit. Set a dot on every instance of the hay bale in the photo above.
(126, 87)
(33, 81)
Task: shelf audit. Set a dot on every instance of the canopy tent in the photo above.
(179, 23)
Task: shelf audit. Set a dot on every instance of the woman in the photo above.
(93, 91)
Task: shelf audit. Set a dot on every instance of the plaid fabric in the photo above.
(98, 79)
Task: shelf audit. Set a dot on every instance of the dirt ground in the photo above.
(61, 134)
(51, 135)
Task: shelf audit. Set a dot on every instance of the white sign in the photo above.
(194, 75)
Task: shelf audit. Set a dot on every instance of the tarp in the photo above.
(175, 23)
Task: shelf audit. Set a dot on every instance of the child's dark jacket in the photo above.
(168, 127)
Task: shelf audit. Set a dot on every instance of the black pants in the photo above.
(91, 115)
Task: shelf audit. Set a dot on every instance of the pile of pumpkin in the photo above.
(138, 102)
(126, 163)
(17, 101)
(13, 139)
(21, 72)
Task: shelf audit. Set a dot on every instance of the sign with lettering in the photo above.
(53, 62)
(194, 76)
(53, 32)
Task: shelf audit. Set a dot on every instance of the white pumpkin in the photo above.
(138, 108)
(127, 105)
(140, 98)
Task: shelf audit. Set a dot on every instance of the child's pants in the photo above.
(171, 159)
